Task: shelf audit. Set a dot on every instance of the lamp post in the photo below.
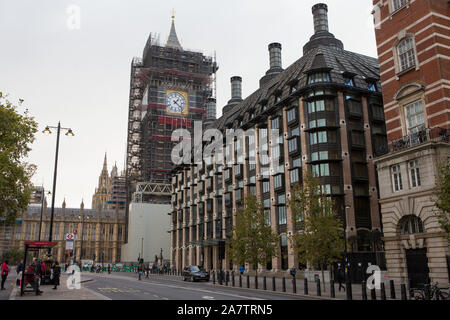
(69, 133)
(81, 217)
(42, 212)
(345, 240)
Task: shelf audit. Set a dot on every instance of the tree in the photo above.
(252, 239)
(318, 238)
(443, 197)
(16, 134)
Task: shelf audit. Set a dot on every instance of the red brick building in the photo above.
(413, 42)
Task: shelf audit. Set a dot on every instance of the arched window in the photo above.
(411, 224)
(405, 51)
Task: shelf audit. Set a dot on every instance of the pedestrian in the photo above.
(56, 271)
(241, 269)
(5, 271)
(38, 277)
(140, 269)
(19, 267)
(341, 279)
(109, 269)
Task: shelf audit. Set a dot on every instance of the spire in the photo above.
(172, 41)
(105, 167)
(82, 203)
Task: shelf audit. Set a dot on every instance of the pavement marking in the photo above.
(208, 298)
(187, 288)
(164, 298)
(156, 296)
(13, 293)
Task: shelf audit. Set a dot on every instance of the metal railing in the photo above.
(425, 135)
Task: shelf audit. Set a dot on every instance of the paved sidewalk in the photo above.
(62, 293)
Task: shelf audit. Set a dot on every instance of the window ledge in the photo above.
(400, 73)
(406, 5)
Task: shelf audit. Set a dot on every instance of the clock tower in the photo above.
(170, 88)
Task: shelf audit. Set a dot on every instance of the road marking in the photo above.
(164, 298)
(185, 288)
(208, 298)
(156, 296)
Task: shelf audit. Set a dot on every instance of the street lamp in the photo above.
(81, 217)
(42, 211)
(47, 131)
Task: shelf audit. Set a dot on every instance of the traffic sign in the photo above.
(75, 231)
(69, 236)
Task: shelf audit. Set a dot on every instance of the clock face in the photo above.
(176, 102)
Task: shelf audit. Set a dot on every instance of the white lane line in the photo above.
(208, 298)
(190, 289)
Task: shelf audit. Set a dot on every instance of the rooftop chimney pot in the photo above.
(320, 14)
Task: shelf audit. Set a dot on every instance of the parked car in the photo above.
(194, 273)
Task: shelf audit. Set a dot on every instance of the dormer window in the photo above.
(348, 81)
(293, 89)
(372, 86)
(319, 77)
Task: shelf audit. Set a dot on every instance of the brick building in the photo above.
(413, 42)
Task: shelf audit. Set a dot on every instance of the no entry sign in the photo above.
(70, 236)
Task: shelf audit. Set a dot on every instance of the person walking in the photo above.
(140, 269)
(38, 277)
(109, 269)
(341, 279)
(19, 267)
(56, 270)
(241, 269)
(4, 272)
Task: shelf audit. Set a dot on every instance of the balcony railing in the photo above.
(435, 134)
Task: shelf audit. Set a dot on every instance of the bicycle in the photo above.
(433, 293)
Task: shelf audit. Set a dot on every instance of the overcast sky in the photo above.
(81, 76)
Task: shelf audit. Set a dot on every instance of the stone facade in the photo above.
(412, 41)
(102, 232)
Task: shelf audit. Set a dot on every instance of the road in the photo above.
(127, 287)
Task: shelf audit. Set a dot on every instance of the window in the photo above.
(321, 170)
(358, 138)
(275, 123)
(292, 145)
(411, 224)
(397, 178)
(295, 132)
(277, 181)
(325, 189)
(293, 175)
(317, 123)
(320, 105)
(322, 155)
(414, 173)
(372, 86)
(405, 51)
(281, 215)
(282, 199)
(348, 81)
(414, 116)
(319, 77)
(297, 163)
(291, 115)
(266, 186)
(318, 137)
(378, 112)
(399, 3)
(266, 203)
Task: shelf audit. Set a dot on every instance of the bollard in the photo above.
(283, 285)
(332, 293)
(305, 281)
(274, 287)
(348, 290)
(248, 281)
(232, 278)
(319, 292)
(256, 282)
(227, 278)
(427, 292)
(383, 291)
(294, 285)
(240, 281)
(392, 287)
(264, 283)
(363, 290)
(214, 277)
(403, 291)
(373, 294)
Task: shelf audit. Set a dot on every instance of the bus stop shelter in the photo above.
(33, 246)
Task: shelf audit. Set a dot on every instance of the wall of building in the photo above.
(148, 232)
